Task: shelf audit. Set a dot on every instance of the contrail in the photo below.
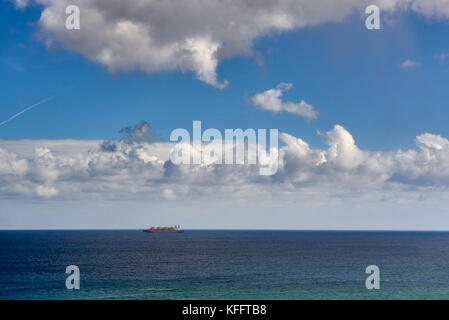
(25, 110)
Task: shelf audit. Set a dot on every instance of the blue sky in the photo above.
(350, 74)
(377, 155)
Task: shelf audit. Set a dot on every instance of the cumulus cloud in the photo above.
(46, 192)
(80, 169)
(154, 36)
(11, 165)
(140, 131)
(271, 100)
(407, 64)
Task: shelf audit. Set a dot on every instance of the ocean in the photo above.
(219, 264)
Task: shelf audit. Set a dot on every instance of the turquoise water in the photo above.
(224, 264)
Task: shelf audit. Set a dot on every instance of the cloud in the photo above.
(409, 64)
(430, 8)
(271, 100)
(70, 169)
(442, 56)
(20, 4)
(132, 134)
(10, 164)
(157, 36)
(46, 192)
(140, 131)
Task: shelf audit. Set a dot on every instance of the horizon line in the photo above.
(241, 229)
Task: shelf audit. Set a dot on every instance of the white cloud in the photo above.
(271, 100)
(46, 192)
(154, 36)
(141, 170)
(431, 8)
(409, 64)
(9, 164)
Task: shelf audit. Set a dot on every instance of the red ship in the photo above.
(176, 228)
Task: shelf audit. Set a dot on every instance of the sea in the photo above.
(223, 264)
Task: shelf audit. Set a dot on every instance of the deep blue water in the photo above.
(224, 264)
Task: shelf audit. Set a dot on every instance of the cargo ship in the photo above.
(176, 228)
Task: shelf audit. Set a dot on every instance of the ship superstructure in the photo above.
(175, 228)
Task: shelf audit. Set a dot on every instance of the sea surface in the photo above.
(224, 264)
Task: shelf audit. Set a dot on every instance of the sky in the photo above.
(362, 114)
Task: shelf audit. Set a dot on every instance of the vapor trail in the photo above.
(25, 110)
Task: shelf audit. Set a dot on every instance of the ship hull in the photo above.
(163, 231)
